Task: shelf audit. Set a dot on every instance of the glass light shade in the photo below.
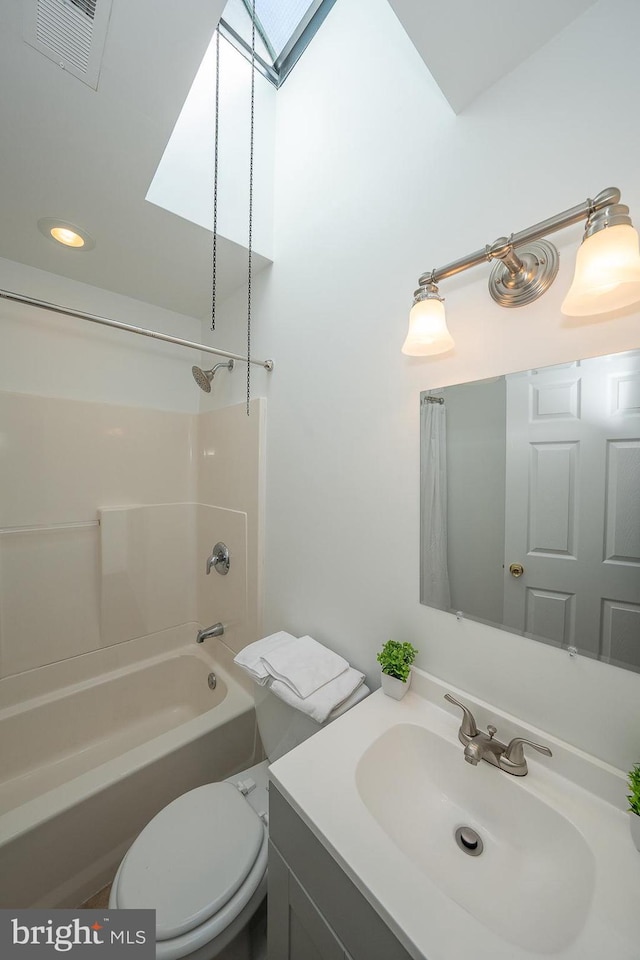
(428, 332)
(66, 236)
(607, 275)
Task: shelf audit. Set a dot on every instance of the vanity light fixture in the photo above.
(428, 333)
(607, 274)
(68, 234)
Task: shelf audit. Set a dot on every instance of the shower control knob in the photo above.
(220, 559)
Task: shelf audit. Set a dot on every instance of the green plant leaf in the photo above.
(396, 658)
(634, 786)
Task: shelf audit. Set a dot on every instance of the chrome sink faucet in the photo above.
(482, 746)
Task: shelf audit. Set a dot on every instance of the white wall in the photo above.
(376, 181)
(50, 355)
(94, 418)
(183, 181)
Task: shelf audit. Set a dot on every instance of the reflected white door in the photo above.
(573, 506)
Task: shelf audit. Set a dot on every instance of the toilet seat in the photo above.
(198, 863)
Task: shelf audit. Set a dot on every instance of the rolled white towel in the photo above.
(324, 701)
(250, 657)
(304, 665)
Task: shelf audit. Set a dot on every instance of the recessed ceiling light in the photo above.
(68, 234)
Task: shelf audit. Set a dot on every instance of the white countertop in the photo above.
(318, 779)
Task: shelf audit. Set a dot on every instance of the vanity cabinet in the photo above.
(315, 911)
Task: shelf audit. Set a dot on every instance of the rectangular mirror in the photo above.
(530, 504)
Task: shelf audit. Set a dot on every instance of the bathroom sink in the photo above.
(386, 788)
(533, 881)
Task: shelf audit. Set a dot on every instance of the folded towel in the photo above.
(250, 657)
(304, 665)
(324, 701)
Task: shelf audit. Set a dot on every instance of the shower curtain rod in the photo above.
(80, 315)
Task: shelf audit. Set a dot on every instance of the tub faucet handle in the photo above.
(220, 559)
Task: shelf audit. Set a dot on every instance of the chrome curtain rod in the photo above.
(142, 331)
(504, 247)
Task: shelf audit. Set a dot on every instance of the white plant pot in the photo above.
(393, 687)
(634, 823)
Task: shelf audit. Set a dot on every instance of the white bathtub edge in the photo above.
(22, 819)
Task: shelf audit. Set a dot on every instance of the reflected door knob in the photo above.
(516, 570)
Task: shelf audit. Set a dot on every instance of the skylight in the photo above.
(284, 28)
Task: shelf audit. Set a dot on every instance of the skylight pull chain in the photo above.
(249, 276)
(215, 186)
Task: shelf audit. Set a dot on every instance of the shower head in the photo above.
(204, 377)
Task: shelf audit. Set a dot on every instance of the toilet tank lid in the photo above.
(191, 858)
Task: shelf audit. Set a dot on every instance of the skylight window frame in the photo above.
(292, 51)
(260, 29)
(241, 45)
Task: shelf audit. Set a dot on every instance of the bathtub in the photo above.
(91, 748)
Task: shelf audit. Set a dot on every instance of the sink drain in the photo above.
(212, 680)
(469, 841)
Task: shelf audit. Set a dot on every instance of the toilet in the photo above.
(201, 862)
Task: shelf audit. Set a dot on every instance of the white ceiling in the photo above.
(89, 156)
(470, 44)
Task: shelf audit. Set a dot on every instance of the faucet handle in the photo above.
(515, 750)
(468, 727)
(220, 559)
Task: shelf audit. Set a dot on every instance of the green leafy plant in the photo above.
(634, 786)
(396, 658)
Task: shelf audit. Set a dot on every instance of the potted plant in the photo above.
(395, 659)
(634, 803)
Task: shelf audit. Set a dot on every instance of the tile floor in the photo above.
(98, 900)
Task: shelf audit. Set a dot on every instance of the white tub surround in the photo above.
(94, 746)
(396, 788)
(107, 516)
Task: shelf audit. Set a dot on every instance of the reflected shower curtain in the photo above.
(434, 575)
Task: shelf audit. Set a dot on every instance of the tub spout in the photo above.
(215, 631)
